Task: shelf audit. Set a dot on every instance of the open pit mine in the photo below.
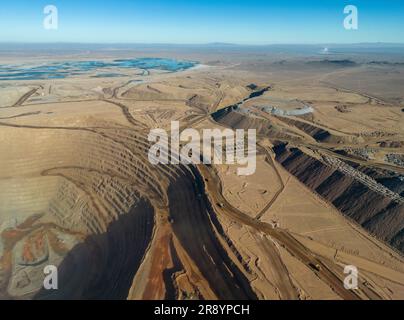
(77, 190)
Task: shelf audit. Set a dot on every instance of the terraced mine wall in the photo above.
(378, 212)
(237, 120)
(104, 265)
(224, 111)
(317, 133)
(196, 226)
(372, 208)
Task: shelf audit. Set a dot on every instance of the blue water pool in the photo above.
(60, 70)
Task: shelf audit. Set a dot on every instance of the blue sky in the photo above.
(204, 21)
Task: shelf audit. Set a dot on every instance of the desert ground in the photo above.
(77, 190)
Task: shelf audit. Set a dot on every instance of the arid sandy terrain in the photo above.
(77, 189)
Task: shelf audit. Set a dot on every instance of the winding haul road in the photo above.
(327, 271)
(270, 161)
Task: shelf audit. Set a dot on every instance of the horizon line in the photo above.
(205, 43)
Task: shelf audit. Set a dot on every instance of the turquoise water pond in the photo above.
(60, 70)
